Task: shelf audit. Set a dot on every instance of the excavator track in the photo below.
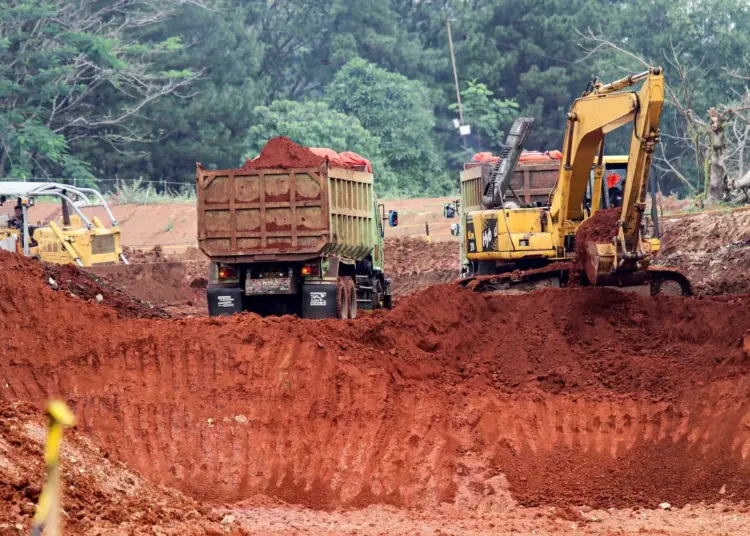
(668, 281)
(660, 279)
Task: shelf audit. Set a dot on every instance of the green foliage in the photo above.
(149, 89)
(312, 124)
(71, 75)
(486, 115)
(398, 111)
(140, 192)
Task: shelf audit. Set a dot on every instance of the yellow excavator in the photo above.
(73, 239)
(510, 246)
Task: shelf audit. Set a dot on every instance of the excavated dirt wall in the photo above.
(582, 396)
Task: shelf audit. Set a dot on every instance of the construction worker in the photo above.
(16, 222)
(614, 191)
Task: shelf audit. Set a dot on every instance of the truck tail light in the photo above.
(311, 269)
(227, 272)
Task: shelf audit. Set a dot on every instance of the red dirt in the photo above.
(283, 153)
(600, 228)
(87, 286)
(99, 492)
(584, 396)
(172, 281)
(712, 250)
(414, 263)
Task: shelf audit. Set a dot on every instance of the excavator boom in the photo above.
(593, 116)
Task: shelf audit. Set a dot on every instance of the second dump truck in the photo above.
(293, 233)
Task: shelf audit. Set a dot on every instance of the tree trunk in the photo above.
(717, 169)
(742, 182)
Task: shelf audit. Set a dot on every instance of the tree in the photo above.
(398, 111)
(314, 124)
(486, 115)
(60, 62)
(687, 131)
(208, 125)
(526, 50)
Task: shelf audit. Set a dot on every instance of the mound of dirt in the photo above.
(89, 287)
(600, 228)
(712, 249)
(576, 396)
(99, 493)
(174, 281)
(414, 263)
(283, 153)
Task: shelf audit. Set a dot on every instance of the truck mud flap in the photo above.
(319, 300)
(224, 301)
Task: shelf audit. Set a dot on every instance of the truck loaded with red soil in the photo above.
(293, 232)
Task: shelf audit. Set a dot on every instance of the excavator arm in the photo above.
(602, 110)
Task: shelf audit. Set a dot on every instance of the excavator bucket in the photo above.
(600, 262)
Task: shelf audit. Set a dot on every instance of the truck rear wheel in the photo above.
(342, 298)
(377, 295)
(351, 293)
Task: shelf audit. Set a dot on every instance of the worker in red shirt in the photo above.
(615, 193)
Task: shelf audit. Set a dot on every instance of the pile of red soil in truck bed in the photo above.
(283, 153)
(577, 396)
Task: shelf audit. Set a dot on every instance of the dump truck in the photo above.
(293, 233)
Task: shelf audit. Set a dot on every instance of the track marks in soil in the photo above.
(225, 424)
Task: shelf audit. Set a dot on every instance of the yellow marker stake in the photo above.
(48, 510)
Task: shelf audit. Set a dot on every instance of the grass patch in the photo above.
(140, 192)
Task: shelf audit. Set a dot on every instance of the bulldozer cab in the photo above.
(69, 235)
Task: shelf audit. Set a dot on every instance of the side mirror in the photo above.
(449, 211)
(393, 218)
(456, 229)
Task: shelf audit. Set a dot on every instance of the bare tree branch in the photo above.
(64, 94)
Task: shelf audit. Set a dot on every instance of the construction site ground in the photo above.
(561, 411)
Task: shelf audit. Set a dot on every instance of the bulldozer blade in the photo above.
(599, 262)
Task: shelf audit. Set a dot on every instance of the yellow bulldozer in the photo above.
(74, 238)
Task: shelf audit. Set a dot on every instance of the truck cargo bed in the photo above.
(247, 215)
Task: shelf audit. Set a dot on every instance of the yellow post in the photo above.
(596, 192)
(97, 223)
(48, 510)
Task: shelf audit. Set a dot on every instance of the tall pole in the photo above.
(455, 79)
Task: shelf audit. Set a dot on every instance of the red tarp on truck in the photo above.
(526, 156)
(346, 160)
